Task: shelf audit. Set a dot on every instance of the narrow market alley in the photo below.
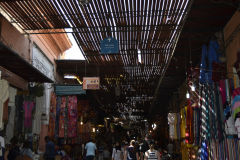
(119, 79)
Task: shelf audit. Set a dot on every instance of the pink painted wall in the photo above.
(52, 45)
(12, 38)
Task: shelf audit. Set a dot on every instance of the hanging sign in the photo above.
(109, 46)
(61, 90)
(91, 83)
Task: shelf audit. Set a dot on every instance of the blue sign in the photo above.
(61, 90)
(109, 46)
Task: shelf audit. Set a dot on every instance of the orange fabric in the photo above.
(52, 116)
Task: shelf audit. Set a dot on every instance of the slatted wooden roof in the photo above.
(151, 26)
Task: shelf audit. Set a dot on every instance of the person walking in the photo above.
(152, 154)
(26, 150)
(49, 150)
(117, 153)
(144, 146)
(132, 152)
(91, 150)
(14, 150)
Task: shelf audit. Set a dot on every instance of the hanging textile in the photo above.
(52, 116)
(58, 110)
(196, 122)
(4, 95)
(183, 122)
(28, 108)
(189, 124)
(72, 117)
(11, 104)
(172, 121)
(40, 101)
(19, 118)
(66, 118)
(62, 117)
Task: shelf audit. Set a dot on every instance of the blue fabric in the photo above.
(91, 148)
(209, 55)
(236, 98)
(203, 65)
(212, 52)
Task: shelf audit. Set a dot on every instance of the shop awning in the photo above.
(13, 62)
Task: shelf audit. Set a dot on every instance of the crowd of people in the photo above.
(133, 150)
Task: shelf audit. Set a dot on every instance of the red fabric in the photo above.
(189, 123)
(235, 92)
(72, 116)
(52, 116)
(219, 71)
(28, 107)
(61, 117)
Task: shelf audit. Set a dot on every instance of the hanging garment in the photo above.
(72, 117)
(52, 116)
(28, 107)
(4, 95)
(66, 119)
(40, 102)
(219, 114)
(236, 99)
(5, 111)
(235, 78)
(197, 125)
(209, 56)
(172, 119)
(223, 91)
(189, 123)
(218, 71)
(204, 66)
(58, 108)
(62, 117)
(11, 104)
(235, 112)
(183, 122)
(19, 115)
(235, 92)
(230, 127)
(237, 64)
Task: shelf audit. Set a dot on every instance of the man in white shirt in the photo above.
(91, 150)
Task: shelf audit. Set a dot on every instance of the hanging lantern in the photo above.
(187, 95)
(193, 88)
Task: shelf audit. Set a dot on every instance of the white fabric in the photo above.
(47, 95)
(237, 125)
(4, 94)
(172, 121)
(117, 154)
(11, 118)
(2, 141)
(151, 155)
(91, 148)
(38, 113)
(229, 126)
